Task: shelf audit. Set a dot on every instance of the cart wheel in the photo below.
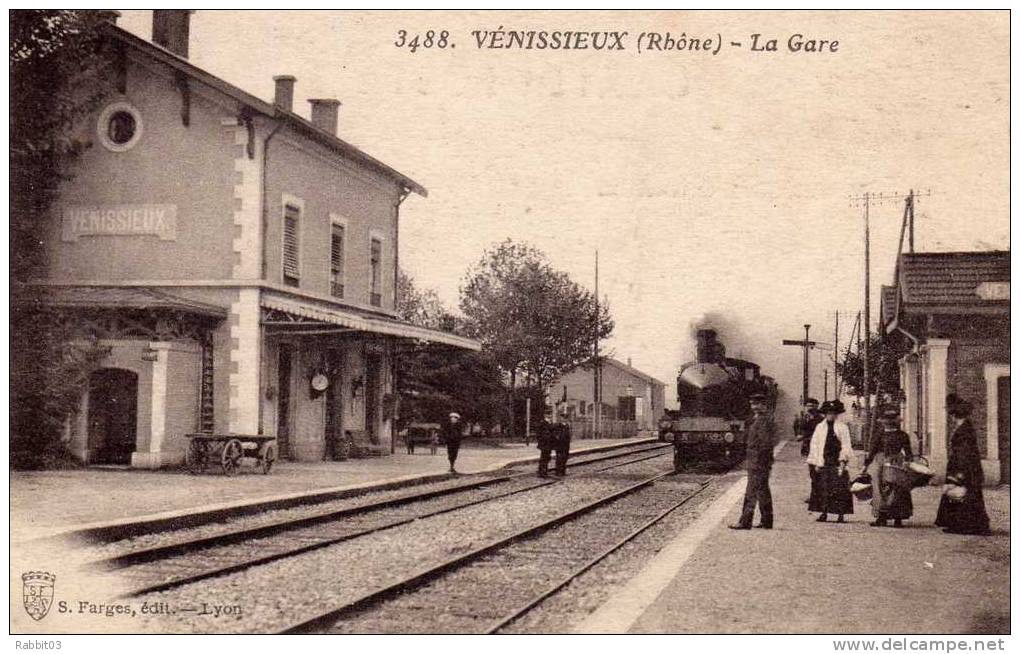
(231, 457)
(267, 458)
(196, 458)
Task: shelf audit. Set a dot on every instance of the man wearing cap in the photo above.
(451, 435)
(806, 428)
(562, 447)
(552, 436)
(812, 416)
(761, 438)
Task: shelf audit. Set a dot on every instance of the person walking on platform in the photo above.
(967, 515)
(889, 445)
(830, 451)
(452, 434)
(761, 439)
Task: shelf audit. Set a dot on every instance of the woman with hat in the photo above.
(889, 445)
(829, 453)
(966, 516)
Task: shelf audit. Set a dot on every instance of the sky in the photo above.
(715, 188)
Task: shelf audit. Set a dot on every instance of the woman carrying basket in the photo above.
(967, 515)
(890, 445)
(829, 453)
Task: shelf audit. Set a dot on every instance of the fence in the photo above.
(582, 429)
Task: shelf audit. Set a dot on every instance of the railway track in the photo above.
(190, 560)
(491, 586)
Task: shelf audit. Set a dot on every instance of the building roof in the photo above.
(948, 282)
(633, 371)
(253, 103)
(116, 297)
(954, 278)
(888, 306)
(329, 314)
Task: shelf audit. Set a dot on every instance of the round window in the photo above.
(119, 127)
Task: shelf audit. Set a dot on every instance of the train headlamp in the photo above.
(668, 436)
(729, 437)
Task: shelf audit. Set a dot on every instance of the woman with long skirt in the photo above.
(829, 452)
(889, 445)
(967, 516)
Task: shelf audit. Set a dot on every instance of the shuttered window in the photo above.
(291, 245)
(336, 261)
(375, 259)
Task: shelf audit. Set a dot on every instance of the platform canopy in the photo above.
(111, 297)
(299, 316)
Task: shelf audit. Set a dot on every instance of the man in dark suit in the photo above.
(807, 424)
(553, 437)
(761, 438)
(452, 434)
(806, 429)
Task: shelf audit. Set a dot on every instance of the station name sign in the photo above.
(993, 290)
(121, 220)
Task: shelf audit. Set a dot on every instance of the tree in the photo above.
(885, 354)
(434, 380)
(58, 66)
(533, 321)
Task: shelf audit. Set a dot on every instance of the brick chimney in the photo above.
(170, 29)
(284, 98)
(324, 114)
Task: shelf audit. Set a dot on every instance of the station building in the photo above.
(954, 308)
(237, 261)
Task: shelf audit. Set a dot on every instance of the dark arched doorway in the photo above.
(113, 413)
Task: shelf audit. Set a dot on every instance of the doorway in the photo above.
(334, 407)
(283, 370)
(372, 369)
(1003, 435)
(112, 416)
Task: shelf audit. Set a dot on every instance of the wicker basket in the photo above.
(897, 476)
(920, 472)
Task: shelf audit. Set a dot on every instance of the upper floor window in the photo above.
(291, 245)
(375, 264)
(119, 127)
(336, 261)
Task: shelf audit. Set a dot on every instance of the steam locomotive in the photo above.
(713, 394)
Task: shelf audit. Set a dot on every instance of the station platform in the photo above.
(818, 578)
(48, 503)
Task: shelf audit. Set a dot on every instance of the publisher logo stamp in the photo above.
(37, 591)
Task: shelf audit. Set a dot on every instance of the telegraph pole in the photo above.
(867, 318)
(908, 221)
(835, 359)
(807, 345)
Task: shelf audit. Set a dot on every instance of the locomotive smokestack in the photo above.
(707, 346)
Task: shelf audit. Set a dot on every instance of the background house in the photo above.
(627, 394)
